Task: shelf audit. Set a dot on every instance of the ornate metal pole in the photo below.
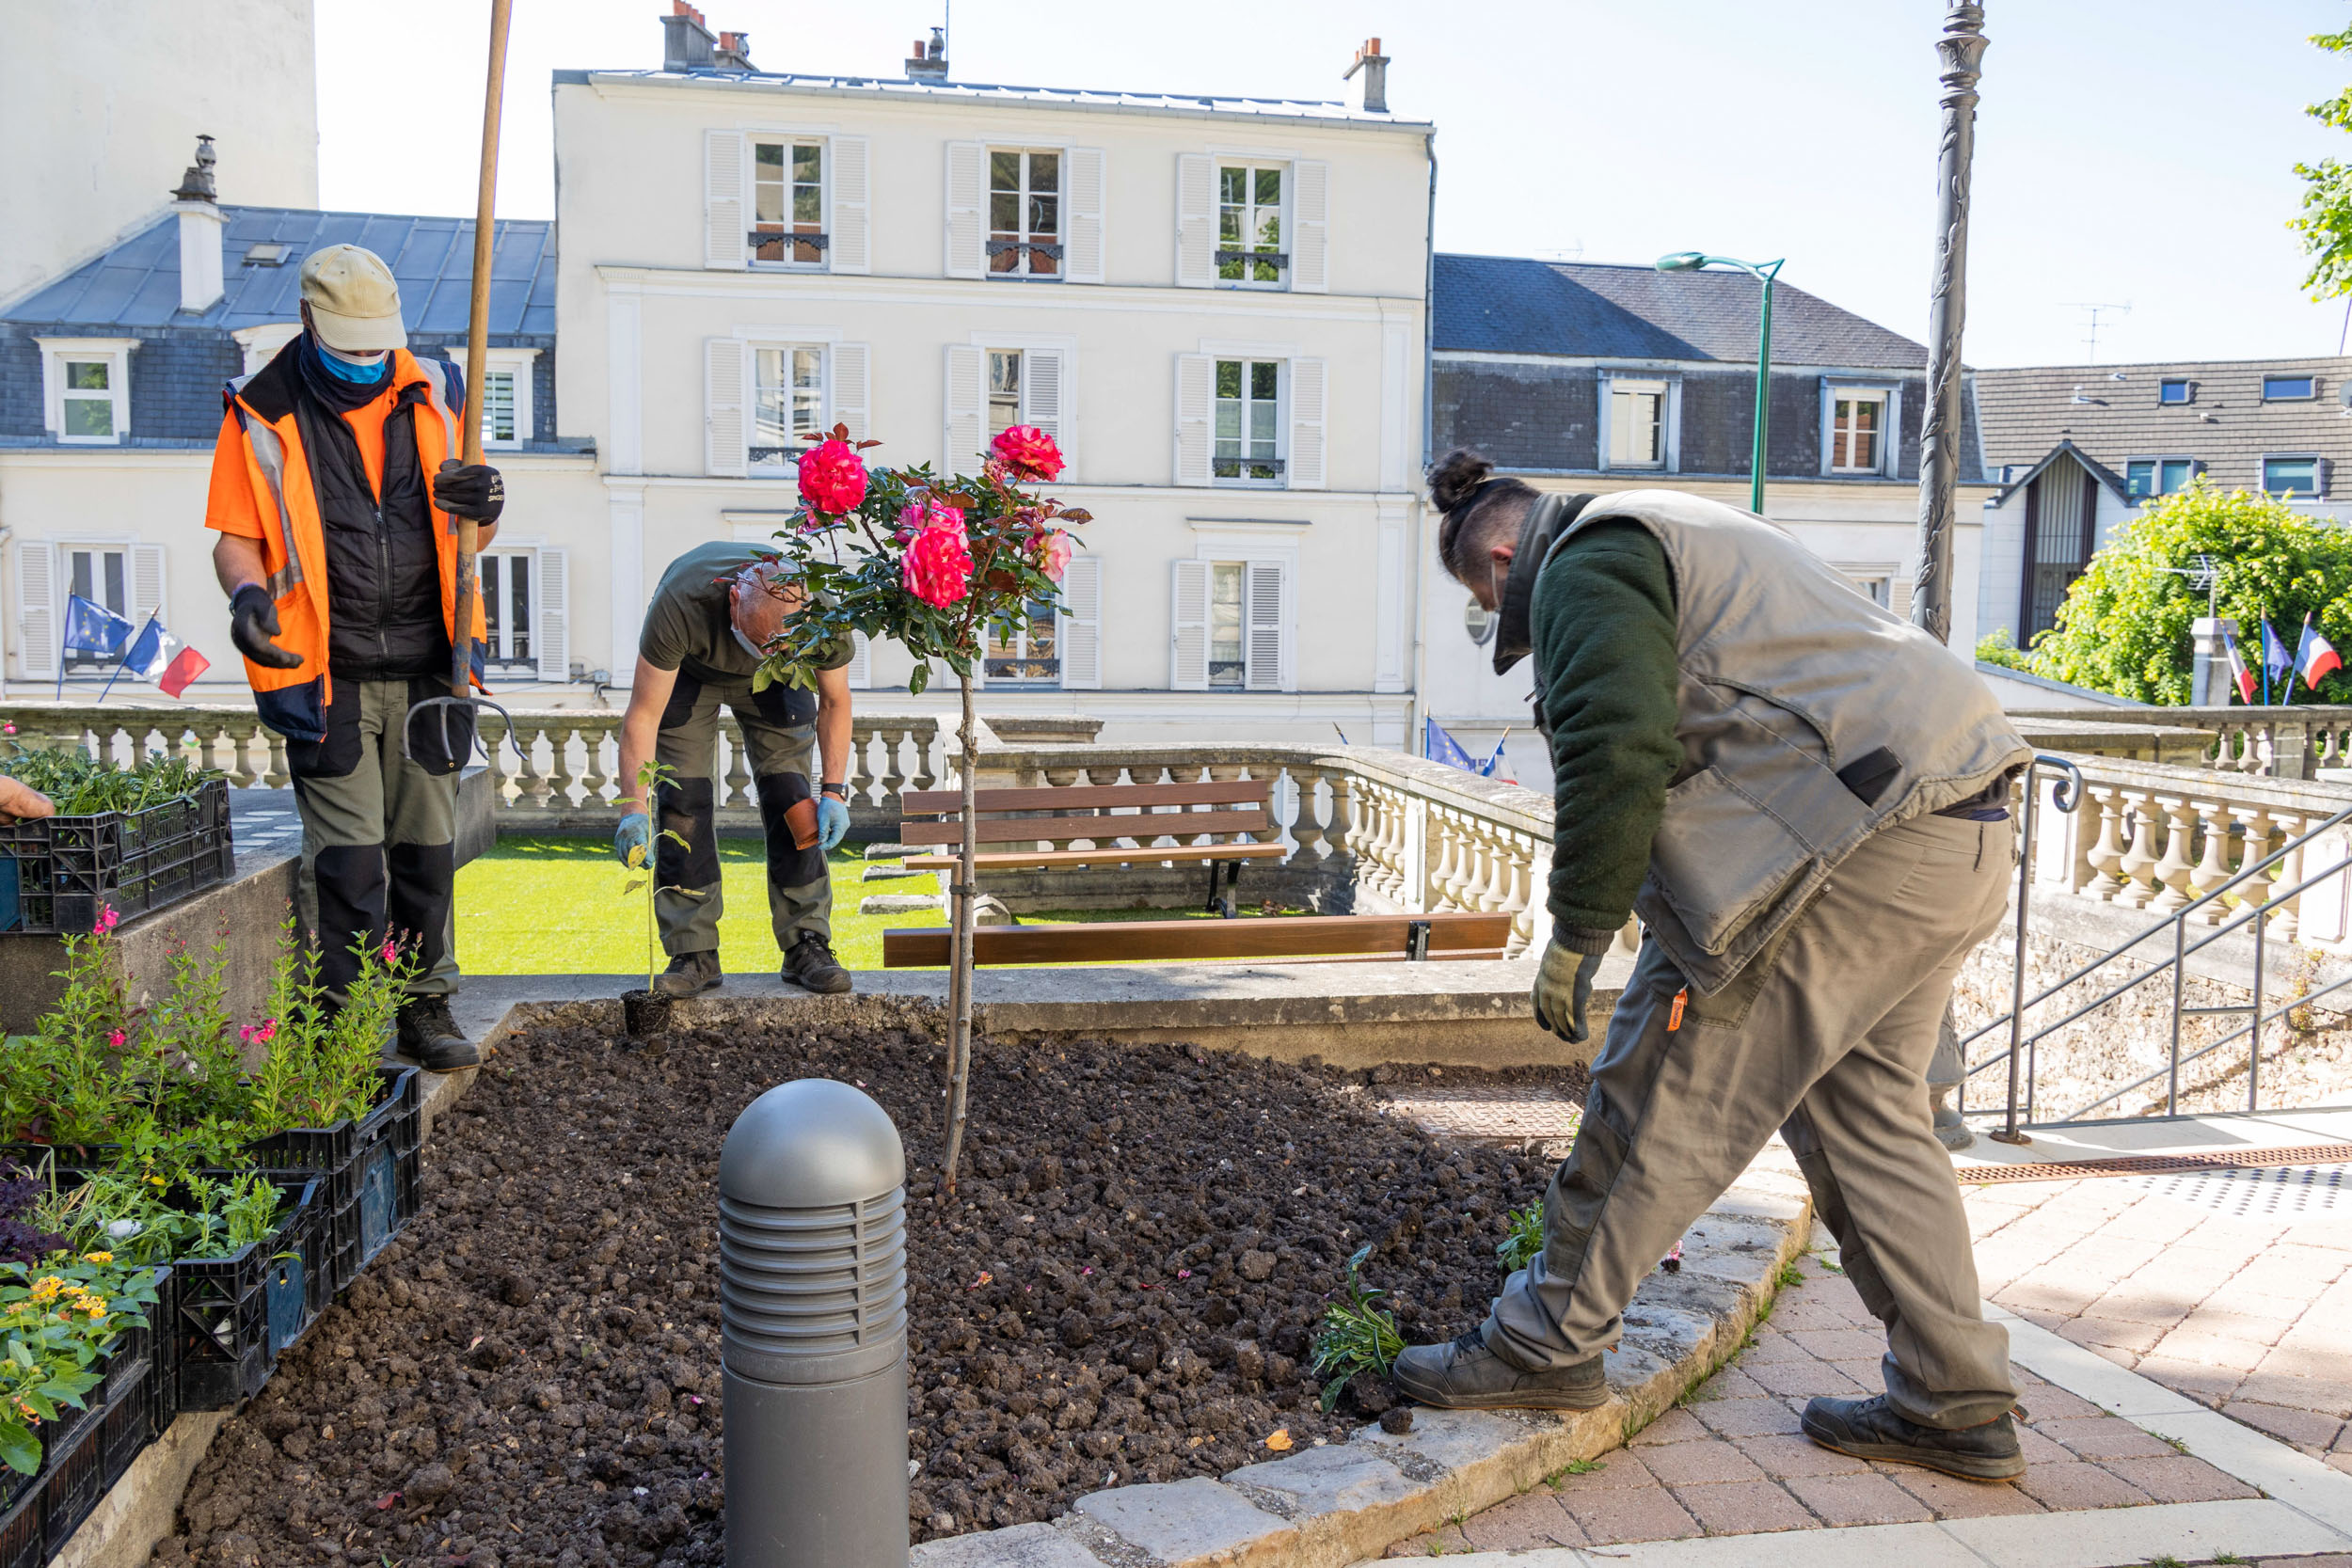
(1962, 48)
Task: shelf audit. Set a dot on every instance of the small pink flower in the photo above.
(267, 1032)
(1183, 1274)
(107, 920)
(116, 1040)
(832, 477)
(7, 728)
(937, 568)
(391, 953)
(1053, 554)
(1028, 451)
(917, 515)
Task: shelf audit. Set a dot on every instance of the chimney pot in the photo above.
(685, 42)
(735, 52)
(928, 62)
(1375, 66)
(200, 225)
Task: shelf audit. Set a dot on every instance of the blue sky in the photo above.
(2129, 151)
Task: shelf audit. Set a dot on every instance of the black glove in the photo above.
(1563, 987)
(252, 622)
(469, 490)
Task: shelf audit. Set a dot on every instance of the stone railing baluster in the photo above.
(2171, 871)
(2213, 867)
(2139, 861)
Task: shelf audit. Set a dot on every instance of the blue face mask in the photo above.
(343, 367)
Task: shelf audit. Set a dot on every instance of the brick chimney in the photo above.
(1374, 65)
(928, 62)
(200, 223)
(735, 52)
(686, 40)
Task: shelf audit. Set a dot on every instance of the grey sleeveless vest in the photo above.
(1809, 719)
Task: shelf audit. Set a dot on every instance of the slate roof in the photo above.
(2226, 426)
(988, 92)
(1589, 310)
(137, 283)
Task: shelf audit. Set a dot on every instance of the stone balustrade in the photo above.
(2283, 742)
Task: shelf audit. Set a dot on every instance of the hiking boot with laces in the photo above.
(689, 974)
(429, 1034)
(1466, 1375)
(1871, 1429)
(811, 965)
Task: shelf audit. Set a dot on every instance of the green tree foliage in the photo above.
(2124, 626)
(2326, 223)
(1998, 647)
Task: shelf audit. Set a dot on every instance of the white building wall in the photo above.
(105, 98)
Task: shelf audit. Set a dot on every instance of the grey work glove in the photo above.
(1563, 987)
(252, 622)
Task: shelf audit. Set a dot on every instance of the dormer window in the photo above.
(2289, 388)
(86, 383)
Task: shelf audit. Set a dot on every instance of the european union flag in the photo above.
(90, 627)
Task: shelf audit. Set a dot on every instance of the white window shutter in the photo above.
(147, 583)
(1196, 220)
(960, 451)
(967, 198)
(853, 392)
(1196, 401)
(1263, 626)
(724, 227)
(37, 611)
(1188, 638)
(726, 371)
(848, 233)
(1079, 632)
(1311, 229)
(1310, 394)
(553, 597)
(861, 666)
(1082, 220)
(1041, 394)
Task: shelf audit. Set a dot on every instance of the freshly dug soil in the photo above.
(1125, 1288)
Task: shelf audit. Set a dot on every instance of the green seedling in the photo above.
(1357, 1336)
(1791, 1275)
(1576, 1468)
(2231, 1559)
(2177, 1446)
(1522, 1238)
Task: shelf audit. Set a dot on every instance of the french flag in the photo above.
(2238, 672)
(162, 659)
(2314, 656)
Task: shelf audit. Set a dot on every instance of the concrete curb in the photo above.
(1330, 1507)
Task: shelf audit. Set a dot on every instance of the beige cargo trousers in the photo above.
(1828, 1039)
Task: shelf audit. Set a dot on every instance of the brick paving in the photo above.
(1729, 1460)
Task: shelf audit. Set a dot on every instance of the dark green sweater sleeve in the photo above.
(1602, 620)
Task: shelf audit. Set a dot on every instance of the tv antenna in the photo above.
(2091, 320)
(2205, 577)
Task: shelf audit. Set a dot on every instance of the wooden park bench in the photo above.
(1207, 823)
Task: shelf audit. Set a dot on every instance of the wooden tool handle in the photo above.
(477, 349)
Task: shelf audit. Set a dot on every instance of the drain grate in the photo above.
(2257, 1194)
(2158, 1164)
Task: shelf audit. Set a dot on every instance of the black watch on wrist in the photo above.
(838, 791)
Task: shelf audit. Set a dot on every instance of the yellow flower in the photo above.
(98, 1258)
(95, 1307)
(45, 1290)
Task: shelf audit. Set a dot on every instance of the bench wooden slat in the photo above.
(1146, 825)
(1063, 859)
(1450, 936)
(1234, 792)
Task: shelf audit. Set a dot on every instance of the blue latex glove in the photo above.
(832, 822)
(634, 833)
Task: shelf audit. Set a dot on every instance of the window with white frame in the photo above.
(1249, 429)
(788, 203)
(1024, 197)
(1230, 622)
(100, 574)
(1031, 655)
(788, 405)
(1637, 411)
(1249, 243)
(1229, 629)
(1857, 437)
(506, 606)
(1003, 390)
(260, 344)
(87, 381)
(506, 401)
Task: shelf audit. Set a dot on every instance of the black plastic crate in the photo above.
(232, 1315)
(366, 1196)
(67, 869)
(73, 1475)
(22, 1542)
(129, 1422)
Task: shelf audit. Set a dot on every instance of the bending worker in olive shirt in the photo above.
(716, 607)
(1804, 799)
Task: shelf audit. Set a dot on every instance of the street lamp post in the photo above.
(1962, 53)
(1764, 272)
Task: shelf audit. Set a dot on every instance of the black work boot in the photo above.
(1466, 1375)
(428, 1033)
(1870, 1429)
(811, 965)
(689, 973)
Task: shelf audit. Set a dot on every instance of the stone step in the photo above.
(888, 873)
(899, 903)
(886, 851)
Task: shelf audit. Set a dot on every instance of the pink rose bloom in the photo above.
(1028, 451)
(832, 477)
(1053, 554)
(917, 515)
(937, 567)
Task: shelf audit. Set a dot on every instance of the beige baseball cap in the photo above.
(355, 304)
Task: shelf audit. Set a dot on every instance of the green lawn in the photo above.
(553, 906)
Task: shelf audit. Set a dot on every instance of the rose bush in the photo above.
(832, 477)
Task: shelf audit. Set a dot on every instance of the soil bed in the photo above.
(1124, 1290)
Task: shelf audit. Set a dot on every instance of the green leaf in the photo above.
(918, 678)
(19, 1448)
(634, 884)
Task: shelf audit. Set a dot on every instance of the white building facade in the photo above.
(1216, 306)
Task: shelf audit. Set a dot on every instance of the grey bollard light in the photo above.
(813, 1304)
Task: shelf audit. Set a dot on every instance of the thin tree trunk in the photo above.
(963, 898)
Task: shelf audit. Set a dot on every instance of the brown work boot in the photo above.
(1871, 1429)
(811, 965)
(689, 974)
(1466, 1375)
(429, 1033)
